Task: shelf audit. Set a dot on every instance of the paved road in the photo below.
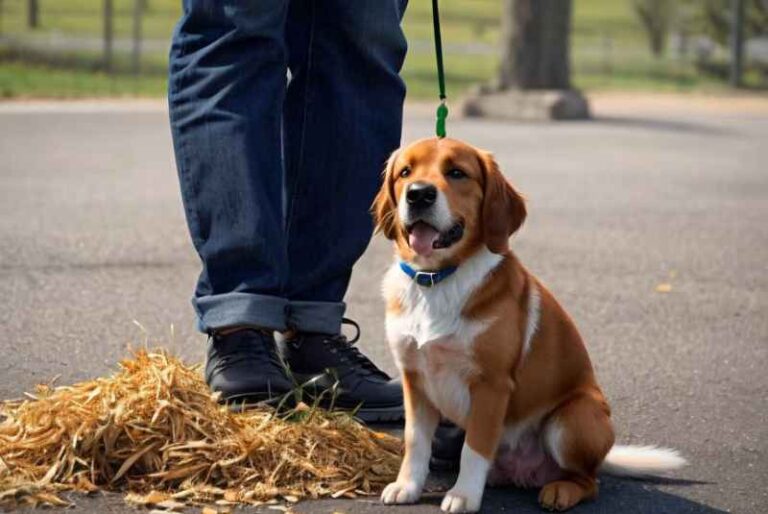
(93, 238)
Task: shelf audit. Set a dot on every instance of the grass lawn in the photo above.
(22, 80)
(609, 50)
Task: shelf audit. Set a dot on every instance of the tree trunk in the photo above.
(737, 43)
(655, 16)
(536, 39)
(138, 18)
(33, 14)
(109, 34)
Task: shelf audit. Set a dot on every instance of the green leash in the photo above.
(442, 109)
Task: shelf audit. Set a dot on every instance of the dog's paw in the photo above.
(461, 501)
(560, 495)
(401, 492)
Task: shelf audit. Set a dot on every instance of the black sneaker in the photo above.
(446, 447)
(335, 373)
(245, 368)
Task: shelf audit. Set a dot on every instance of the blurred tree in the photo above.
(656, 18)
(716, 19)
(536, 49)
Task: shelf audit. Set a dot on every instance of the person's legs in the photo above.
(343, 117)
(226, 89)
(260, 263)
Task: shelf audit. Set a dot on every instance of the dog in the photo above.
(480, 341)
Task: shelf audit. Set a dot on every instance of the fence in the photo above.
(113, 35)
(131, 37)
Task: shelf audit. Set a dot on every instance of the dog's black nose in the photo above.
(420, 194)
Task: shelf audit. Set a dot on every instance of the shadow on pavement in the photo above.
(617, 496)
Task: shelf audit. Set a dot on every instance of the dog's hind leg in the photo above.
(578, 435)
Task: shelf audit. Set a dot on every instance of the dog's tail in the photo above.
(641, 461)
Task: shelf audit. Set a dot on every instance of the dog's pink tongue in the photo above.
(421, 238)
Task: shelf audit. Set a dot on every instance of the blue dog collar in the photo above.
(427, 278)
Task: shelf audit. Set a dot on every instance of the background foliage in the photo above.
(611, 46)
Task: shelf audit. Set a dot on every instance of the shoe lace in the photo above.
(346, 350)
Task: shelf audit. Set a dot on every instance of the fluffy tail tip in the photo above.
(641, 461)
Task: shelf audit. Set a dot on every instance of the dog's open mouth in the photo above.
(424, 238)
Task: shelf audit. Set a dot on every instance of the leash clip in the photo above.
(442, 114)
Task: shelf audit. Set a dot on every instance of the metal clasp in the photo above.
(425, 278)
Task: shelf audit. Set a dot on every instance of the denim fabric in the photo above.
(277, 175)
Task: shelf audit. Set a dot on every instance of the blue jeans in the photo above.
(282, 114)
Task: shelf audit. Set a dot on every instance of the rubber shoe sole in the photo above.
(389, 414)
(381, 415)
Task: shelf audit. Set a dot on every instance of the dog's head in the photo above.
(442, 200)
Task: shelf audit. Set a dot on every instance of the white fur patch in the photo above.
(553, 438)
(533, 317)
(641, 461)
(431, 313)
(467, 494)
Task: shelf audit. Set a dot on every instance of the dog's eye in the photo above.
(405, 172)
(456, 173)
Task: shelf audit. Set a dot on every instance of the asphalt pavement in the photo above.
(652, 193)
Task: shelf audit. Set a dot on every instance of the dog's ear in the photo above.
(503, 207)
(384, 206)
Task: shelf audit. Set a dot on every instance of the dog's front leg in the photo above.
(485, 425)
(421, 419)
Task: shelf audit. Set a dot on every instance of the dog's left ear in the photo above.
(503, 207)
(384, 206)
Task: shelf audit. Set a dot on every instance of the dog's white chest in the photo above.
(441, 354)
(444, 362)
(428, 333)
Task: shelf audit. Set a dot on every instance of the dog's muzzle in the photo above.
(428, 219)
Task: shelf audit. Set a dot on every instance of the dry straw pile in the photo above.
(153, 430)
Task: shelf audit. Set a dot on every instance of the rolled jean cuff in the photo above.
(320, 317)
(232, 309)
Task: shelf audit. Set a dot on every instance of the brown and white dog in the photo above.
(480, 341)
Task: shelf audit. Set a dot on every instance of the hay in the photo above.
(154, 431)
